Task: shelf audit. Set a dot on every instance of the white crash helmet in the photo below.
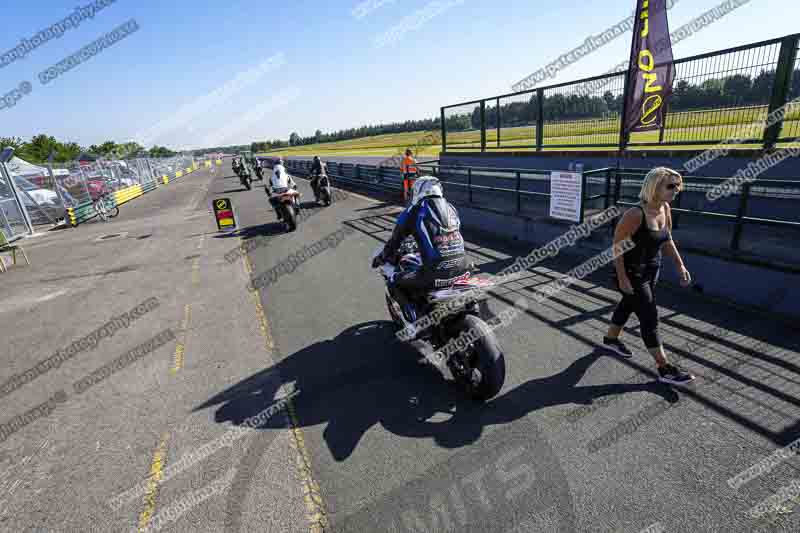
(426, 187)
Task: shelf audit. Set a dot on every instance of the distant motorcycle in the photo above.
(323, 194)
(259, 171)
(244, 175)
(479, 368)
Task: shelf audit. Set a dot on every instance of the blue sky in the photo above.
(334, 73)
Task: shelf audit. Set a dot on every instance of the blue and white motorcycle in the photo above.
(446, 326)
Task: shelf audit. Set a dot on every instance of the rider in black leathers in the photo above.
(317, 170)
(435, 225)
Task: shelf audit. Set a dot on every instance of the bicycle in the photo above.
(104, 209)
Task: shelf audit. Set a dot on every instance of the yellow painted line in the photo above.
(156, 468)
(180, 346)
(196, 271)
(201, 243)
(315, 508)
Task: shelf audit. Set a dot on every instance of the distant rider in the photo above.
(435, 225)
(317, 169)
(280, 180)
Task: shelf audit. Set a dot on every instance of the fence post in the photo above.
(358, 171)
(469, 184)
(737, 230)
(607, 198)
(483, 125)
(497, 116)
(444, 131)
(780, 90)
(583, 196)
(519, 197)
(539, 119)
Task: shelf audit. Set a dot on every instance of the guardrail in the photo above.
(720, 233)
(84, 211)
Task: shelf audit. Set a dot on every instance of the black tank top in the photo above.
(647, 252)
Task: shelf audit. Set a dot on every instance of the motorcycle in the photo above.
(287, 202)
(244, 175)
(479, 367)
(259, 171)
(323, 194)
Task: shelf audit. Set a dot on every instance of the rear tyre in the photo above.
(326, 196)
(114, 211)
(485, 356)
(290, 217)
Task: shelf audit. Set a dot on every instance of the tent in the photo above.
(20, 167)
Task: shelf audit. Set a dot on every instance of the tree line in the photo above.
(738, 90)
(39, 149)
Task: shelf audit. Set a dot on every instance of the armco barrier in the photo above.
(81, 213)
(126, 195)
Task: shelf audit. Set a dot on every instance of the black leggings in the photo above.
(643, 303)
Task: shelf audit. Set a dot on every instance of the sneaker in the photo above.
(670, 374)
(616, 346)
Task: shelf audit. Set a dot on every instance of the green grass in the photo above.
(685, 126)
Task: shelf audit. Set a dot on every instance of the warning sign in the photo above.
(223, 213)
(565, 195)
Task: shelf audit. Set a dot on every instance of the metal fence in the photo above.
(716, 96)
(44, 194)
(759, 224)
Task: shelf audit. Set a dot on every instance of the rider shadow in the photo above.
(364, 377)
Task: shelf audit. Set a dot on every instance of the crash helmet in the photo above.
(426, 187)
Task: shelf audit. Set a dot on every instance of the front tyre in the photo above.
(484, 356)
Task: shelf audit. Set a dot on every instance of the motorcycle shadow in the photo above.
(365, 377)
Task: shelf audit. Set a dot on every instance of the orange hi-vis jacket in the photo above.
(407, 166)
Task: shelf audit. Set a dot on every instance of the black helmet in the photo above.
(316, 158)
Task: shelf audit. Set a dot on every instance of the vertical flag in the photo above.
(651, 71)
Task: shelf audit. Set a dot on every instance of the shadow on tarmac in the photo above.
(365, 376)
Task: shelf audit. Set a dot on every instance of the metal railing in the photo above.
(759, 224)
(715, 97)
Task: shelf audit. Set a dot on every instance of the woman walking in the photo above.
(649, 226)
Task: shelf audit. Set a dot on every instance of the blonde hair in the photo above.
(653, 180)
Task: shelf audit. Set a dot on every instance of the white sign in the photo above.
(565, 195)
